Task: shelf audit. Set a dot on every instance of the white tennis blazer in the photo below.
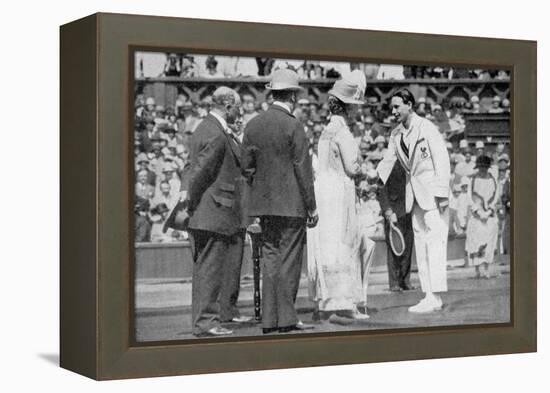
(428, 166)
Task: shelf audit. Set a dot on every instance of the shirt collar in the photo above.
(283, 105)
(221, 120)
(414, 120)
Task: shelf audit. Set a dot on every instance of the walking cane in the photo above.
(255, 232)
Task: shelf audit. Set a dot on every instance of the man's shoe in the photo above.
(395, 289)
(215, 332)
(241, 319)
(270, 330)
(300, 326)
(425, 306)
(408, 287)
(304, 326)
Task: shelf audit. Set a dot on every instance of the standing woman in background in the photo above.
(482, 229)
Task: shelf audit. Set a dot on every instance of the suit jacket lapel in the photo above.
(414, 140)
(400, 153)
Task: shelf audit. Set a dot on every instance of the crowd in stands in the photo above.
(162, 136)
(157, 65)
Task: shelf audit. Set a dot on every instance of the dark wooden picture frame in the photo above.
(96, 269)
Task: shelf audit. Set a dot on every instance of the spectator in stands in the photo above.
(378, 153)
(371, 128)
(165, 195)
(189, 69)
(211, 65)
(505, 105)
(235, 66)
(188, 112)
(365, 144)
(143, 165)
(390, 71)
(495, 107)
(158, 216)
(169, 173)
(144, 190)
(480, 148)
(265, 65)
(502, 75)
(249, 108)
(172, 67)
(142, 231)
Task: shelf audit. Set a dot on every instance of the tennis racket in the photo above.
(397, 241)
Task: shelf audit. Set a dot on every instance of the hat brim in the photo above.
(345, 100)
(283, 86)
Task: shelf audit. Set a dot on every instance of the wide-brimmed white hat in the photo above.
(351, 88)
(284, 79)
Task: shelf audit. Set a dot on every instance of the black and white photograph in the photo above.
(276, 196)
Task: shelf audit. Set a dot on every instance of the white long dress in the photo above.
(482, 234)
(339, 253)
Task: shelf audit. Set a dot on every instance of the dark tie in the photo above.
(404, 147)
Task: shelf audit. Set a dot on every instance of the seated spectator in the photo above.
(158, 215)
(249, 108)
(502, 75)
(143, 190)
(495, 107)
(378, 153)
(335, 69)
(371, 70)
(189, 69)
(192, 120)
(505, 105)
(165, 195)
(211, 65)
(142, 162)
(172, 67)
(235, 66)
(265, 65)
(169, 174)
(365, 145)
(390, 71)
(142, 232)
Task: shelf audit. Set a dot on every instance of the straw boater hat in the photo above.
(463, 144)
(284, 79)
(351, 88)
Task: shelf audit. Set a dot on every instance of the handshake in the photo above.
(390, 216)
(312, 219)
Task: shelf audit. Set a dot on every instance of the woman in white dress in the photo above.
(339, 253)
(482, 227)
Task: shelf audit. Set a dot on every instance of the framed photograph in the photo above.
(256, 196)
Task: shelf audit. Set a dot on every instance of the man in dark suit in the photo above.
(392, 202)
(216, 223)
(276, 157)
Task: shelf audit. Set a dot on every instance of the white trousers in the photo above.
(431, 229)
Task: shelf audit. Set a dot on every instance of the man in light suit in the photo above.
(217, 219)
(276, 156)
(419, 147)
